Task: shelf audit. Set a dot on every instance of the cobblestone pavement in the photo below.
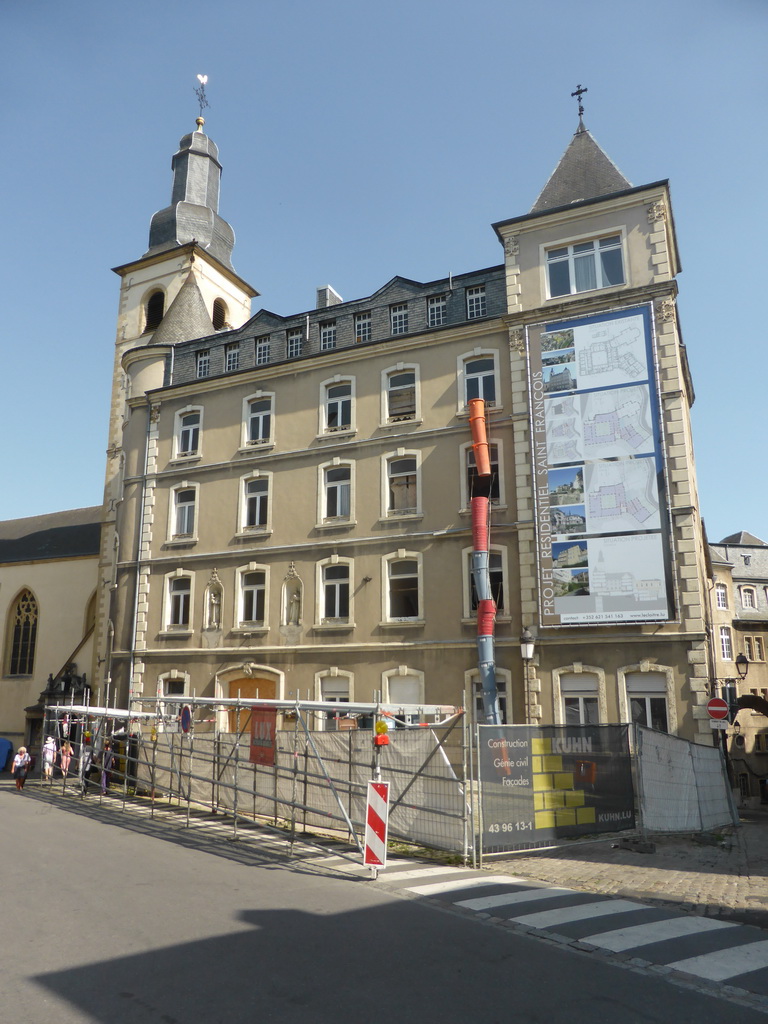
(723, 874)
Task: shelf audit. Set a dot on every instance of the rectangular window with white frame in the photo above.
(333, 690)
(338, 405)
(262, 351)
(232, 357)
(294, 342)
(184, 512)
(327, 335)
(647, 696)
(256, 503)
(363, 327)
(748, 598)
(754, 648)
(726, 646)
(335, 597)
(437, 310)
(476, 302)
(398, 318)
(402, 485)
(188, 433)
(403, 588)
(337, 484)
(585, 266)
(253, 596)
(405, 690)
(579, 698)
(721, 596)
(479, 372)
(203, 363)
(259, 420)
(401, 395)
(179, 602)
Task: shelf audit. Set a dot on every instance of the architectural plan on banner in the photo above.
(598, 470)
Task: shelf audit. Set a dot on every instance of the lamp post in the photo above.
(526, 653)
(742, 667)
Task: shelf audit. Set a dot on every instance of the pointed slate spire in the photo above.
(186, 317)
(193, 215)
(584, 172)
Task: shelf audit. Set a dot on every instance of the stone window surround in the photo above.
(578, 668)
(644, 666)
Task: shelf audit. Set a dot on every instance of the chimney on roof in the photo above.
(327, 296)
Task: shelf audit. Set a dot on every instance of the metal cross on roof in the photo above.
(580, 90)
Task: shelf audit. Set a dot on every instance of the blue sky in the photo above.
(361, 141)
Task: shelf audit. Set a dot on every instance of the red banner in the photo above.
(263, 726)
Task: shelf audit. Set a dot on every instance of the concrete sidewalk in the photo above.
(722, 874)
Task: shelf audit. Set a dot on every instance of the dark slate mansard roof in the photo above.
(71, 534)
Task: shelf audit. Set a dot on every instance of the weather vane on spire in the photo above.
(580, 90)
(202, 99)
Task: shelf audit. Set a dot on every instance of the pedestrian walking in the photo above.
(65, 757)
(85, 766)
(49, 759)
(20, 767)
(107, 766)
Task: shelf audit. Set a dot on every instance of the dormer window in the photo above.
(220, 316)
(154, 310)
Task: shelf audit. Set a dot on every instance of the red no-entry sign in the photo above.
(717, 708)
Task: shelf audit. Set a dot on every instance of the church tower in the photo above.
(183, 287)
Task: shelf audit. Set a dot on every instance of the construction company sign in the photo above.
(539, 783)
(603, 535)
(263, 728)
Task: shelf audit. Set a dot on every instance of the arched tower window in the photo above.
(22, 635)
(219, 314)
(154, 311)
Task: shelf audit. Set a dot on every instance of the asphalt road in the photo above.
(120, 922)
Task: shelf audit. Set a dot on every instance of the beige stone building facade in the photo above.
(288, 497)
(48, 587)
(739, 616)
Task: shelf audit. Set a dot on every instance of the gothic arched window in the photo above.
(22, 635)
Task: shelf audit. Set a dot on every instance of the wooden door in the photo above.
(249, 688)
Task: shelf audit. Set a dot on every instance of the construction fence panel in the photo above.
(317, 779)
(683, 785)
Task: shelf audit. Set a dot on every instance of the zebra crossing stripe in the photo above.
(457, 883)
(725, 963)
(422, 872)
(655, 931)
(565, 915)
(507, 899)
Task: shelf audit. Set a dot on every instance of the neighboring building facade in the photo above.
(739, 611)
(48, 584)
(288, 497)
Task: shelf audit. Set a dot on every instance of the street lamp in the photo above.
(526, 653)
(742, 665)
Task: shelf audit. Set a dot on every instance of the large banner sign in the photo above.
(603, 538)
(539, 783)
